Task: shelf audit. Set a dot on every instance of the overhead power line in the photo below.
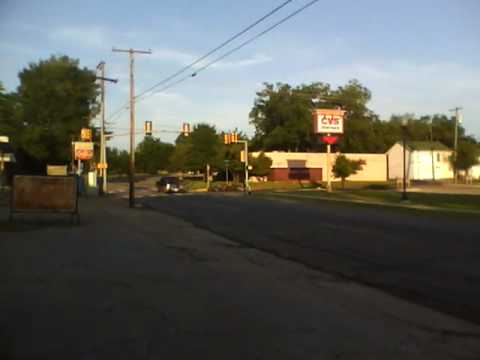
(235, 49)
(203, 57)
(222, 45)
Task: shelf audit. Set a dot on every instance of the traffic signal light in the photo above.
(231, 138)
(148, 127)
(186, 129)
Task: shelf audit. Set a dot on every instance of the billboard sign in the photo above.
(44, 193)
(328, 121)
(86, 134)
(56, 170)
(83, 150)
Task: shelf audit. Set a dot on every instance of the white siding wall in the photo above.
(375, 168)
(395, 162)
(419, 164)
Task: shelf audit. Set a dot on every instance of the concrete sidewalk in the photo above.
(136, 284)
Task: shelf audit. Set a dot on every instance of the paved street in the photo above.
(139, 284)
(432, 260)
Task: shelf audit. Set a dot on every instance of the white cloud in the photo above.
(176, 56)
(92, 36)
(254, 60)
(186, 58)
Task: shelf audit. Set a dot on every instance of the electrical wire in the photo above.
(235, 49)
(203, 57)
(222, 45)
(245, 43)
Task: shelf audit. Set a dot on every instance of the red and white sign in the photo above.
(330, 140)
(83, 150)
(328, 121)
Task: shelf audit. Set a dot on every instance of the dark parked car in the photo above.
(170, 184)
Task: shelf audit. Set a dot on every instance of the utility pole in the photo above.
(131, 52)
(455, 141)
(329, 181)
(431, 144)
(103, 147)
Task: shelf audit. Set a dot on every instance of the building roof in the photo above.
(427, 145)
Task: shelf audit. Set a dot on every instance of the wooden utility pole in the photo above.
(131, 52)
(103, 145)
(455, 141)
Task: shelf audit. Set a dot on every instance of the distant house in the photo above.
(425, 160)
(312, 166)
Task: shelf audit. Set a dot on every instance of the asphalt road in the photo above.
(430, 259)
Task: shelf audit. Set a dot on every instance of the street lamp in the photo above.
(404, 133)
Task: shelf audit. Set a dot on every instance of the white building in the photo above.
(425, 160)
(312, 166)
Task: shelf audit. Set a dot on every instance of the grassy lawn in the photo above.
(194, 185)
(282, 185)
(417, 200)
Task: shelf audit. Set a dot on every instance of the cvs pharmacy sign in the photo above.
(328, 121)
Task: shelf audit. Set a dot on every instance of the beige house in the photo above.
(312, 166)
(425, 160)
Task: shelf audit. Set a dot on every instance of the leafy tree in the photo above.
(282, 116)
(152, 155)
(10, 112)
(57, 98)
(344, 167)
(179, 158)
(467, 156)
(261, 165)
(118, 160)
(206, 145)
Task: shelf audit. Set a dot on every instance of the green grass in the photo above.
(282, 185)
(194, 185)
(417, 200)
(305, 185)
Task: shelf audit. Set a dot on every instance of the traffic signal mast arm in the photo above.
(148, 130)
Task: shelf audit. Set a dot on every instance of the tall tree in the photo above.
(467, 156)
(58, 98)
(10, 113)
(118, 160)
(203, 146)
(282, 116)
(152, 155)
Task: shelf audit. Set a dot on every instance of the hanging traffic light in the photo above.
(148, 127)
(227, 139)
(186, 129)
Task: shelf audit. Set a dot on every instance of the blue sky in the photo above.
(419, 56)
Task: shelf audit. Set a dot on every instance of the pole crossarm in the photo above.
(106, 79)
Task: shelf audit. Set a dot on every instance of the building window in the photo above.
(438, 157)
(298, 174)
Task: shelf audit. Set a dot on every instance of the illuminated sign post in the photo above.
(327, 122)
(83, 150)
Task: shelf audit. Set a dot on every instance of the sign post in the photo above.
(328, 121)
